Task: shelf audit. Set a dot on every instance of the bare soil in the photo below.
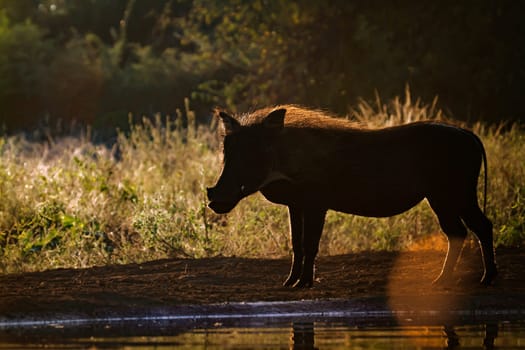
(403, 280)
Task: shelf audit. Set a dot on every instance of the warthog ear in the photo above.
(275, 120)
(229, 123)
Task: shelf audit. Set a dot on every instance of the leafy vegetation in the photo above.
(71, 202)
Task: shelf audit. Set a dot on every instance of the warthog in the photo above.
(311, 162)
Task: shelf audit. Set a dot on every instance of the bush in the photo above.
(24, 57)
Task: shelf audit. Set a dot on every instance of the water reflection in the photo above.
(452, 337)
(303, 335)
(491, 333)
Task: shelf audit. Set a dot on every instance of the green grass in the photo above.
(71, 203)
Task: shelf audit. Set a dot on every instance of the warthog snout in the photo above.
(218, 204)
(210, 191)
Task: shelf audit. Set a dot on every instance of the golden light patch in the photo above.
(411, 294)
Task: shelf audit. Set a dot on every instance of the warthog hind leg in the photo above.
(482, 228)
(456, 233)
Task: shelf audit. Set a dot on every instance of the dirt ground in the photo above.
(402, 279)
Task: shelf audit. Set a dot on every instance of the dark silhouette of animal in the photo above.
(311, 162)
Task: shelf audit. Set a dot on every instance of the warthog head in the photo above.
(248, 158)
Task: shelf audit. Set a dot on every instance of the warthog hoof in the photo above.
(304, 283)
(290, 281)
(443, 280)
(489, 276)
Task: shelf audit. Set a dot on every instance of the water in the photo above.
(303, 334)
(314, 324)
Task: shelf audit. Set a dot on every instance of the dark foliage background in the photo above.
(96, 61)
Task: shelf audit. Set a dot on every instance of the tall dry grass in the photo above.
(69, 202)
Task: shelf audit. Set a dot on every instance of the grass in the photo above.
(69, 202)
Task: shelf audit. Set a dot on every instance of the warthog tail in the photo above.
(486, 174)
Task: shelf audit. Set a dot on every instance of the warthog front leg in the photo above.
(311, 228)
(296, 233)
